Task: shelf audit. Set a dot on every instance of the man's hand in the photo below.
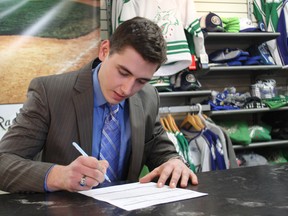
(69, 177)
(175, 169)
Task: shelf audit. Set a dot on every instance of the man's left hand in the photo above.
(174, 168)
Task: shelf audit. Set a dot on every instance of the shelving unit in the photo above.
(242, 77)
(217, 78)
(182, 102)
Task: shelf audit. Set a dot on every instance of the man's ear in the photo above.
(104, 50)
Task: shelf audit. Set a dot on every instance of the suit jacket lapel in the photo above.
(83, 102)
(137, 135)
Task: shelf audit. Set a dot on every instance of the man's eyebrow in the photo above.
(128, 71)
(145, 79)
(124, 68)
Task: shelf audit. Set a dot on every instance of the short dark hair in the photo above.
(144, 36)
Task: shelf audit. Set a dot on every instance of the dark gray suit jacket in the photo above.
(58, 111)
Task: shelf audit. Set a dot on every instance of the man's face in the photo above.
(123, 74)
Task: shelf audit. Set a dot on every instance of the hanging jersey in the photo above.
(217, 159)
(172, 18)
(184, 146)
(218, 150)
(199, 151)
(217, 130)
(268, 12)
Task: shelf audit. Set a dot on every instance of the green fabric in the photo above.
(258, 9)
(184, 148)
(192, 31)
(231, 24)
(162, 84)
(238, 131)
(144, 171)
(267, 12)
(190, 42)
(278, 157)
(230, 20)
(260, 133)
(276, 102)
(232, 29)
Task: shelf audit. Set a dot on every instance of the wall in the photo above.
(225, 8)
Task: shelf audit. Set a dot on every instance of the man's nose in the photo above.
(128, 85)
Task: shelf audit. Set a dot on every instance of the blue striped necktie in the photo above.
(110, 142)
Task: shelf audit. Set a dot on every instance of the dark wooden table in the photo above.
(260, 190)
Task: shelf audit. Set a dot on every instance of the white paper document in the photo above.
(140, 195)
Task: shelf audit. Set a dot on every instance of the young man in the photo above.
(72, 107)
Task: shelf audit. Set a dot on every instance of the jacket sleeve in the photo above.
(23, 141)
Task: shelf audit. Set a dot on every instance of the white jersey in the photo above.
(173, 17)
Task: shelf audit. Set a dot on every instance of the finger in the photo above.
(104, 163)
(96, 175)
(150, 176)
(176, 175)
(101, 170)
(165, 174)
(86, 183)
(186, 175)
(103, 166)
(93, 168)
(194, 178)
(90, 162)
(91, 182)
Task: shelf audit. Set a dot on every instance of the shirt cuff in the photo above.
(45, 181)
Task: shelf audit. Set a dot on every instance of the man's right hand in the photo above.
(69, 177)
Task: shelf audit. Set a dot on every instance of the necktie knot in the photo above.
(112, 115)
(113, 108)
